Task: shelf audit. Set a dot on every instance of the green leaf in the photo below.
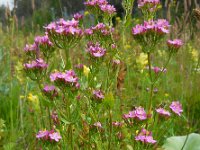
(109, 100)
(177, 142)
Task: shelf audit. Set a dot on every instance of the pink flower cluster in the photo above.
(160, 27)
(101, 5)
(139, 114)
(50, 91)
(157, 70)
(145, 137)
(95, 50)
(99, 29)
(117, 124)
(65, 78)
(162, 112)
(66, 28)
(43, 40)
(78, 16)
(98, 94)
(176, 107)
(30, 48)
(51, 136)
(174, 45)
(149, 5)
(37, 64)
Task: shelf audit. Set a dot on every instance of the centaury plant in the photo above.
(80, 106)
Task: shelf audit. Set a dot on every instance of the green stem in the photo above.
(110, 129)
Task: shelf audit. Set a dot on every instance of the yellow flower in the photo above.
(127, 46)
(86, 13)
(86, 70)
(195, 54)
(142, 60)
(166, 95)
(32, 98)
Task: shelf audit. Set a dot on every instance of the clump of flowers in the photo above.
(64, 32)
(150, 33)
(174, 45)
(44, 45)
(100, 32)
(50, 91)
(51, 136)
(145, 136)
(95, 50)
(138, 114)
(98, 95)
(100, 6)
(162, 112)
(176, 107)
(65, 79)
(149, 5)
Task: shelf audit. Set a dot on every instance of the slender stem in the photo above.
(110, 129)
(152, 85)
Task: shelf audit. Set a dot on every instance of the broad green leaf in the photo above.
(177, 142)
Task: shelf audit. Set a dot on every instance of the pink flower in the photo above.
(150, 5)
(145, 137)
(43, 135)
(65, 78)
(78, 16)
(175, 44)
(98, 94)
(55, 136)
(117, 124)
(95, 50)
(98, 124)
(37, 64)
(139, 114)
(101, 5)
(30, 48)
(50, 91)
(163, 112)
(176, 107)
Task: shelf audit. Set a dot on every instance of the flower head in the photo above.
(176, 107)
(174, 45)
(139, 114)
(37, 64)
(55, 136)
(145, 136)
(95, 50)
(163, 112)
(65, 78)
(98, 94)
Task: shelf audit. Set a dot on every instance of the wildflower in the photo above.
(117, 124)
(78, 16)
(97, 124)
(37, 64)
(98, 94)
(43, 135)
(149, 5)
(163, 112)
(55, 136)
(95, 50)
(101, 6)
(50, 91)
(43, 40)
(30, 48)
(145, 137)
(65, 78)
(54, 117)
(139, 114)
(64, 32)
(176, 107)
(86, 70)
(174, 45)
